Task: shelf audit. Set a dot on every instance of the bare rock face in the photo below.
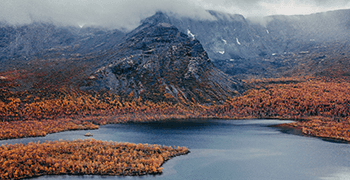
(158, 62)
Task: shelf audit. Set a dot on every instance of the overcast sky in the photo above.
(128, 13)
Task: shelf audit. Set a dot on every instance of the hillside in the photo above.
(155, 61)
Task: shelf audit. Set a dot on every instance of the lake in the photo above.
(224, 149)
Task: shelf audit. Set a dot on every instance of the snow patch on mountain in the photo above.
(190, 34)
(224, 41)
(238, 41)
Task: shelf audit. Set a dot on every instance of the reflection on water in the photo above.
(225, 149)
(341, 173)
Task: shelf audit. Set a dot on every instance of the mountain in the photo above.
(174, 58)
(158, 62)
(268, 46)
(155, 61)
(21, 43)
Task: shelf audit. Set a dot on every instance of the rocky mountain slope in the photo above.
(156, 61)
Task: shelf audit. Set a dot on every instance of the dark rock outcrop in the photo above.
(156, 61)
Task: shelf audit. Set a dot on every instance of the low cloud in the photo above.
(250, 8)
(126, 14)
(108, 13)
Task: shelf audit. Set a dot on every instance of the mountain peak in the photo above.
(226, 16)
(158, 17)
(158, 62)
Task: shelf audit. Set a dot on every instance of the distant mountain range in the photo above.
(170, 56)
(18, 44)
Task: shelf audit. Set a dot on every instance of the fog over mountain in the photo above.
(127, 14)
(236, 44)
(270, 46)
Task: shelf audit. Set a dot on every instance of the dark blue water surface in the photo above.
(225, 149)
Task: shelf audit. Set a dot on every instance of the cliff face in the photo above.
(158, 62)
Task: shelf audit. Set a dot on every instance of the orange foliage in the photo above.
(64, 103)
(325, 129)
(37, 113)
(324, 103)
(297, 100)
(281, 98)
(80, 157)
(34, 128)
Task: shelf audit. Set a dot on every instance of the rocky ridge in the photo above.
(158, 62)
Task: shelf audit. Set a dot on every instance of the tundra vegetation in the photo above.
(81, 157)
(320, 107)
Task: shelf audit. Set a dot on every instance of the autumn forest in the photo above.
(309, 100)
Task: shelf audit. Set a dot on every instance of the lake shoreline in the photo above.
(297, 129)
(222, 149)
(84, 157)
(301, 126)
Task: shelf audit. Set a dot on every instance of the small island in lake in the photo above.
(80, 157)
(88, 134)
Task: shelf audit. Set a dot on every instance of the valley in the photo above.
(55, 79)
